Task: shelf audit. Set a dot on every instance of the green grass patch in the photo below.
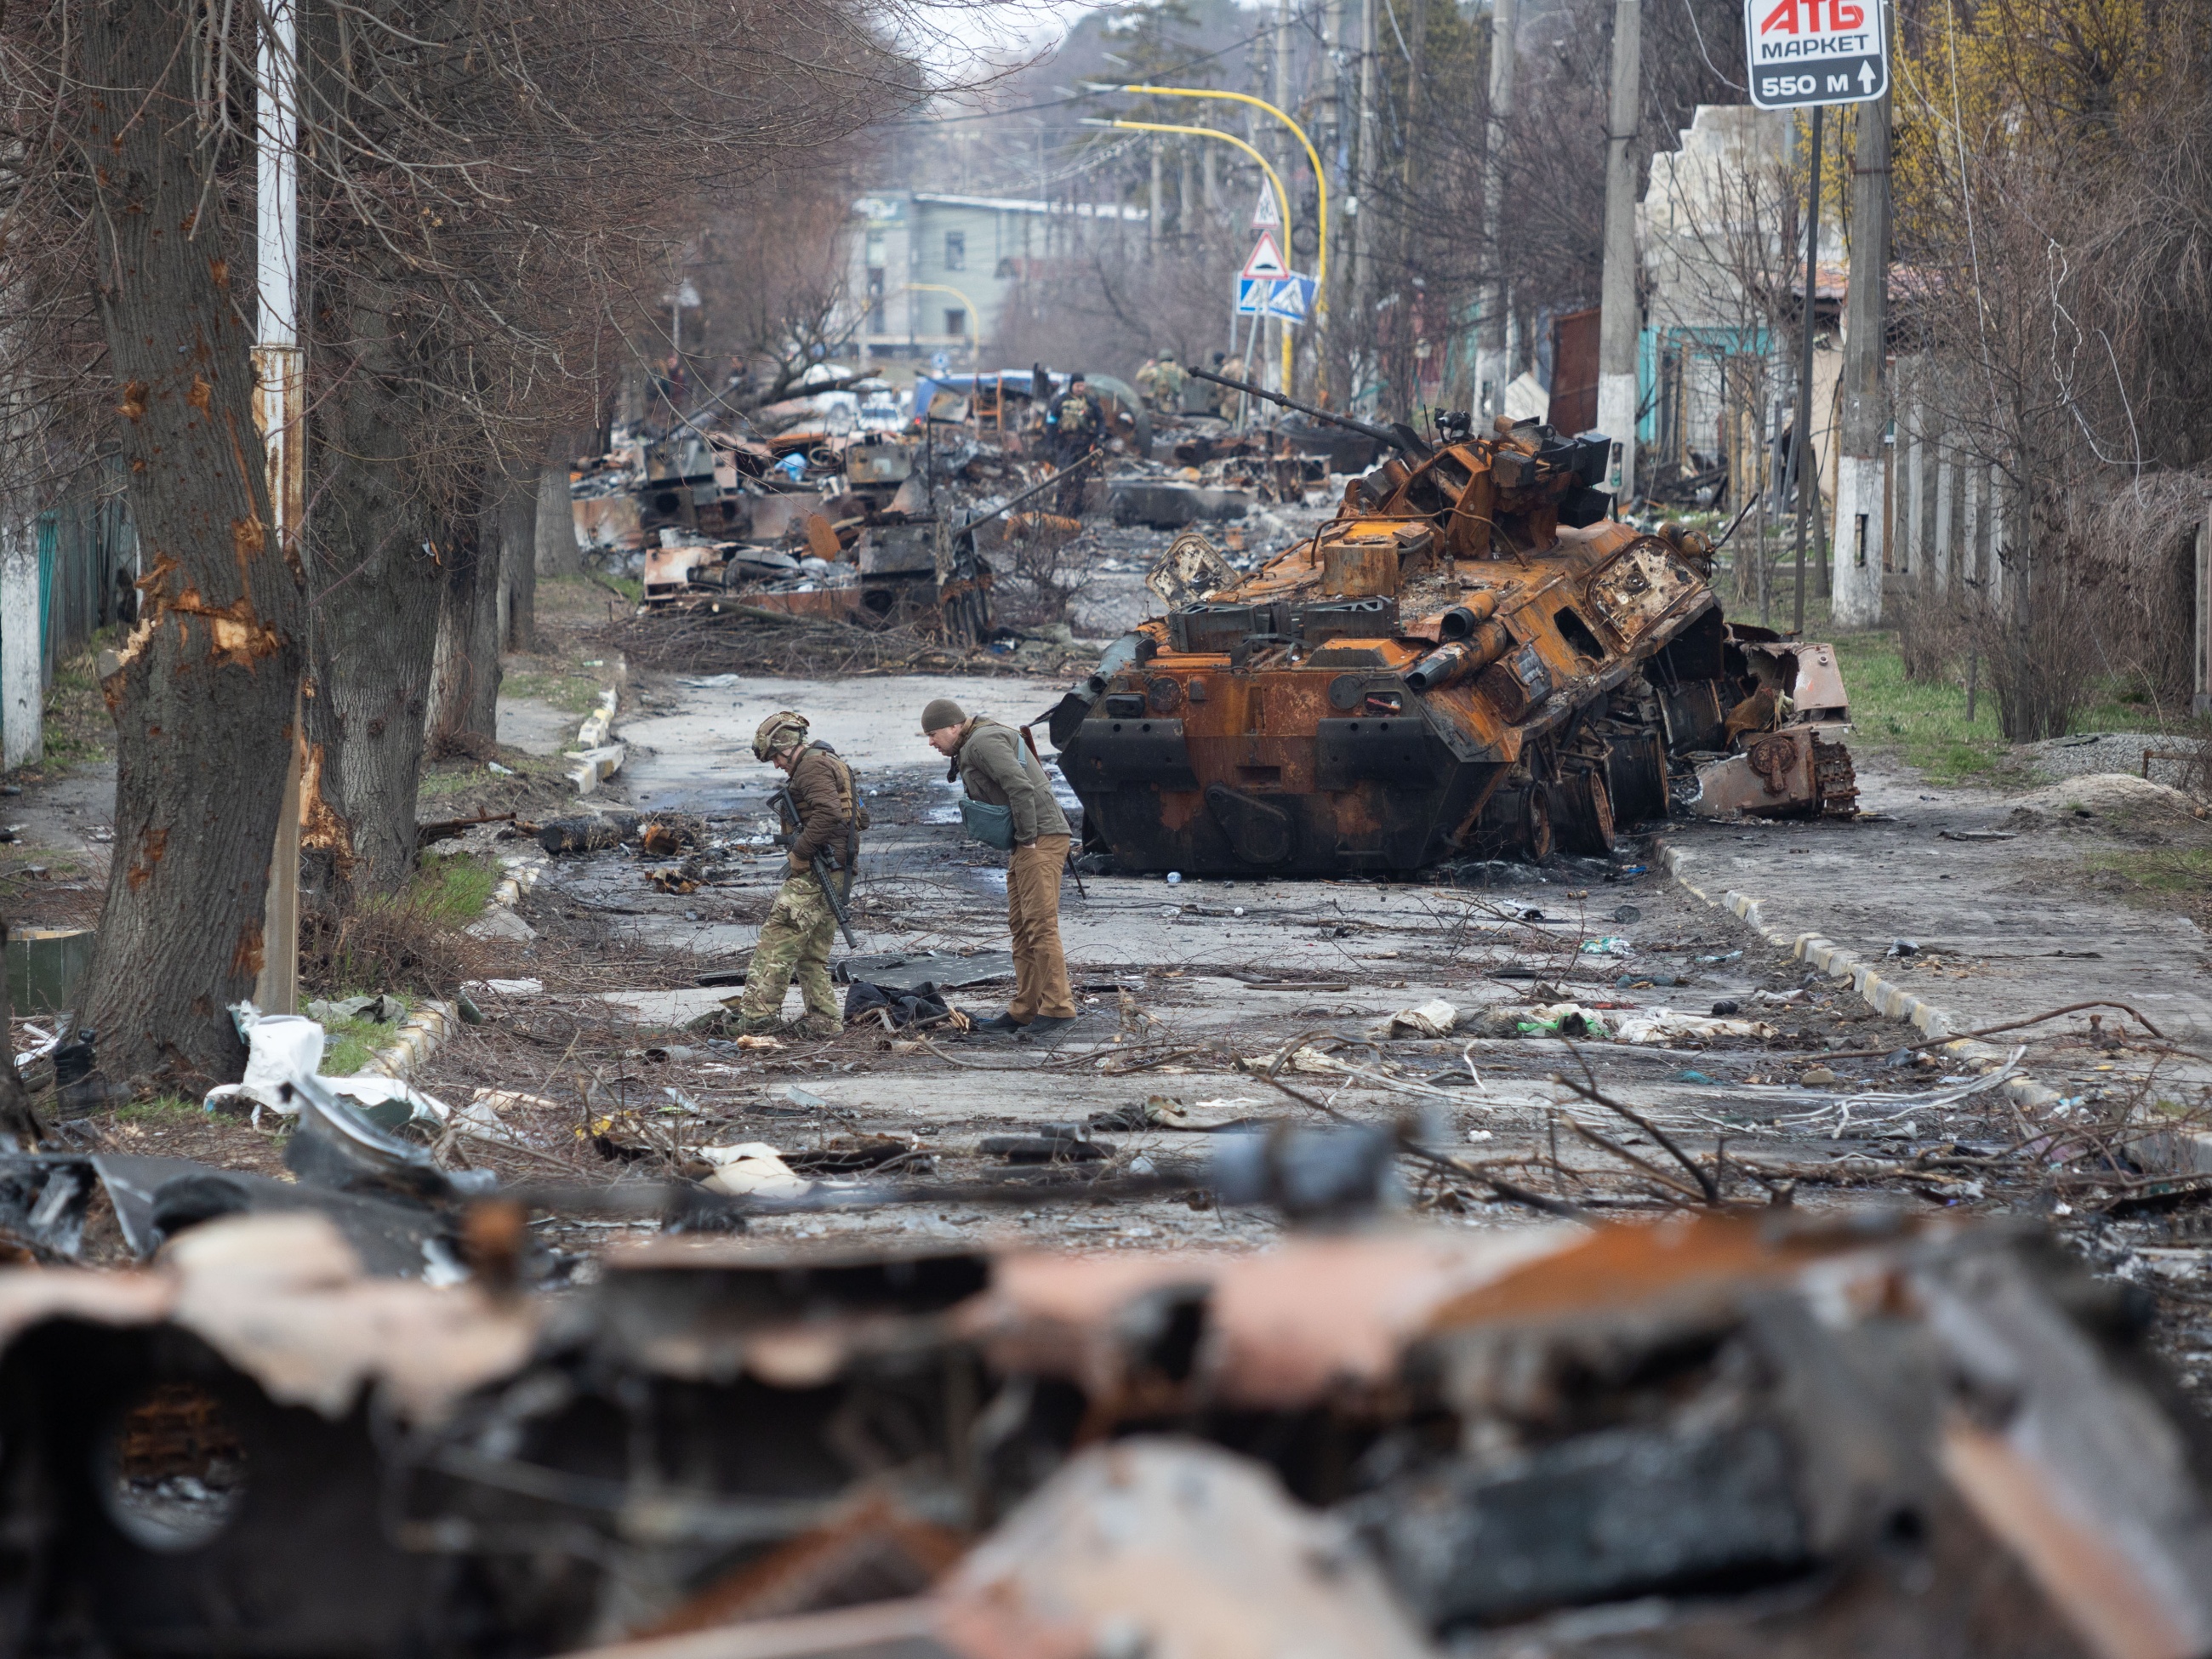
(162, 1109)
(454, 888)
(349, 1044)
(2163, 869)
(1925, 720)
(59, 745)
(437, 781)
(576, 693)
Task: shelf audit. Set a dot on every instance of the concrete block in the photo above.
(594, 767)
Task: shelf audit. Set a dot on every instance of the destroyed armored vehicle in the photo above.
(1470, 660)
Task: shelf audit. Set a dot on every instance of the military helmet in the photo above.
(778, 732)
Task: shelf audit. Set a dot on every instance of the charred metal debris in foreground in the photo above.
(1741, 1434)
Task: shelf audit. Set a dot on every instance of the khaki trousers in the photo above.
(1041, 987)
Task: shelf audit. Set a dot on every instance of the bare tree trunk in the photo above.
(203, 698)
(377, 618)
(517, 504)
(556, 550)
(465, 672)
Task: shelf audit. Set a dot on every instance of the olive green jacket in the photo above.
(995, 765)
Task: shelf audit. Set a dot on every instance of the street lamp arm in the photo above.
(1282, 199)
(1321, 178)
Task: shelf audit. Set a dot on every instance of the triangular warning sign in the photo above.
(1266, 259)
(1265, 215)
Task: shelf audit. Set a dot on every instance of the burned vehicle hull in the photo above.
(1469, 660)
(1745, 1434)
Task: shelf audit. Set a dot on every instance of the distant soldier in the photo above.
(997, 769)
(1148, 379)
(1167, 384)
(822, 816)
(1077, 426)
(1225, 398)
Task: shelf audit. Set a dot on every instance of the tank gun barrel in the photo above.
(1030, 494)
(1398, 435)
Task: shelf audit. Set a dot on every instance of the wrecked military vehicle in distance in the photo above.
(1471, 660)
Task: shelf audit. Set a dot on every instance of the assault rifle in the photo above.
(787, 811)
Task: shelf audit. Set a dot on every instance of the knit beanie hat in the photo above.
(941, 712)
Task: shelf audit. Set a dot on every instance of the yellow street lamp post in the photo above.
(1282, 199)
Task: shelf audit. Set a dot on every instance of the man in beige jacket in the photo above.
(997, 768)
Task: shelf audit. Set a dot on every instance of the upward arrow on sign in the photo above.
(1266, 259)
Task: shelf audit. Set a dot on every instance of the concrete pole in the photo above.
(1943, 457)
(1860, 473)
(1362, 217)
(1912, 519)
(1330, 138)
(1492, 366)
(1619, 324)
(1415, 321)
(1995, 495)
(1280, 96)
(1972, 478)
(279, 409)
(1808, 457)
(1153, 203)
(1331, 145)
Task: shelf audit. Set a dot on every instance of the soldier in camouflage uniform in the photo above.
(821, 815)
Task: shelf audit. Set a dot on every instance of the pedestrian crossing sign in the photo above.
(1288, 297)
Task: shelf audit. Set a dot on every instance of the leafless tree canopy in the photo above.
(2054, 271)
(1107, 294)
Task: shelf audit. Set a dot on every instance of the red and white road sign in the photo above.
(1815, 52)
(1266, 215)
(1267, 258)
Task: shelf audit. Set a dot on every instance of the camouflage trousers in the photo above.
(795, 940)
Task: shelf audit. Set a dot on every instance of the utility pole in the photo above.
(1332, 111)
(280, 408)
(1806, 463)
(1280, 96)
(1363, 214)
(1409, 312)
(1152, 203)
(1618, 326)
(1331, 73)
(1493, 367)
(1861, 475)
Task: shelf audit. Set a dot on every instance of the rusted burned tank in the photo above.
(1471, 659)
